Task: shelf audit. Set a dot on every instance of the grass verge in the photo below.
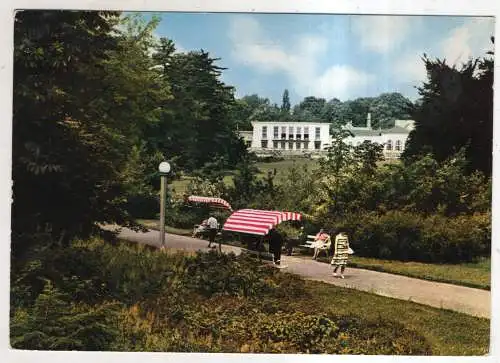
(448, 332)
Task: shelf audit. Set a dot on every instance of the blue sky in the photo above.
(342, 56)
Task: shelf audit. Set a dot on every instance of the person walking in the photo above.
(341, 253)
(213, 227)
(275, 245)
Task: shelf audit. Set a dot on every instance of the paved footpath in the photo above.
(446, 296)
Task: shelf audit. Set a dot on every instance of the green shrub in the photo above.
(212, 273)
(54, 322)
(411, 237)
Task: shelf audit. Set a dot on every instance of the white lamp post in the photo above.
(164, 169)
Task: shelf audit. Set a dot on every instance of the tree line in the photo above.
(384, 109)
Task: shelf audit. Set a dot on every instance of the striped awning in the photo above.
(259, 222)
(218, 202)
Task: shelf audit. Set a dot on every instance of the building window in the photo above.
(398, 145)
(275, 144)
(317, 145)
(306, 133)
(317, 133)
(306, 145)
(264, 132)
(297, 146)
(389, 145)
(275, 132)
(290, 132)
(290, 146)
(298, 133)
(283, 132)
(263, 144)
(283, 145)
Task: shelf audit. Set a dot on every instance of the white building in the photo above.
(299, 138)
(289, 137)
(393, 139)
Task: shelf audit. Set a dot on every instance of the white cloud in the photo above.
(410, 67)
(299, 63)
(340, 80)
(470, 40)
(382, 33)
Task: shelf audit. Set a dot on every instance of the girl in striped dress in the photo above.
(340, 254)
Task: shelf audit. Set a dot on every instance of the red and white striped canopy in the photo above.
(259, 222)
(218, 202)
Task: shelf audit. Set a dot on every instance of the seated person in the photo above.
(203, 227)
(320, 240)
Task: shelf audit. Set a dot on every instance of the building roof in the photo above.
(380, 132)
(396, 130)
(365, 132)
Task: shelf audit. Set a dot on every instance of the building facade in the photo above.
(392, 139)
(289, 137)
(299, 138)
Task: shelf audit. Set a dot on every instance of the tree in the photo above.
(198, 124)
(336, 167)
(456, 111)
(310, 109)
(285, 105)
(388, 107)
(368, 154)
(68, 143)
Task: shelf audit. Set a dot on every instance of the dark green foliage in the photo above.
(411, 237)
(455, 111)
(285, 105)
(384, 109)
(68, 144)
(210, 274)
(55, 322)
(199, 126)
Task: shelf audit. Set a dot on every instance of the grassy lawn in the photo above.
(467, 274)
(284, 165)
(180, 186)
(448, 332)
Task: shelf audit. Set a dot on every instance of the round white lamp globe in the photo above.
(164, 167)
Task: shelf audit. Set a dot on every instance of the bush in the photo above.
(211, 273)
(411, 237)
(54, 322)
(185, 217)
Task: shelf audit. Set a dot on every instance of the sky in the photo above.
(328, 56)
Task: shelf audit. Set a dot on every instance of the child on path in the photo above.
(341, 254)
